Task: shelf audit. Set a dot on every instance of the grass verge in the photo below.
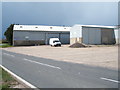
(5, 46)
(6, 80)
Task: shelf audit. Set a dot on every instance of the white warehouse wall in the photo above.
(116, 36)
(76, 31)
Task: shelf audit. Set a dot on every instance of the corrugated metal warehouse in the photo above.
(93, 34)
(38, 34)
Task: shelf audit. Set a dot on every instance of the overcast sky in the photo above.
(59, 13)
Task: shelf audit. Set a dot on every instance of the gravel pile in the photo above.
(77, 45)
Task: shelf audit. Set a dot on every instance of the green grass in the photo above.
(6, 80)
(5, 45)
(6, 77)
(0, 41)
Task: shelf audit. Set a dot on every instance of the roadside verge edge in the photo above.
(19, 79)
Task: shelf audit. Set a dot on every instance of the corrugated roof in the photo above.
(40, 28)
(97, 26)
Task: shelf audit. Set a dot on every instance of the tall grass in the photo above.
(5, 46)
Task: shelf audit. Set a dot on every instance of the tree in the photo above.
(9, 34)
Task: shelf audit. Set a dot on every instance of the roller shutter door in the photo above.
(91, 35)
(51, 35)
(108, 36)
(65, 38)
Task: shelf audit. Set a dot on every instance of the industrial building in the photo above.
(39, 34)
(93, 34)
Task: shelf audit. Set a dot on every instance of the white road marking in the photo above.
(9, 54)
(42, 63)
(107, 79)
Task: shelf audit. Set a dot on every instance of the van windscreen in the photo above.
(56, 41)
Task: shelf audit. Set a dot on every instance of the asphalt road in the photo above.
(47, 73)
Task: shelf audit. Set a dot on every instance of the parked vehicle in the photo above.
(54, 42)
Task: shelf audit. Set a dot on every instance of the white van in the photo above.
(54, 42)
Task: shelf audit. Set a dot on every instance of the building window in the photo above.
(36, 27)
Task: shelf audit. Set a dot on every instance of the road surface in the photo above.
(47, 73)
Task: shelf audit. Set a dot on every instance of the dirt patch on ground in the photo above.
(103, 56)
